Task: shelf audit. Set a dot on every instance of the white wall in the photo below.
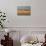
(37, 19)
(25, 24)
(39, 13)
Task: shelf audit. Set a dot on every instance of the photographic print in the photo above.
(24, 10)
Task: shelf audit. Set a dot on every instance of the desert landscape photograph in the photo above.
(23, 10)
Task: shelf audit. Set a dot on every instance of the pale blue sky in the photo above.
(24, 0)
(24, 7)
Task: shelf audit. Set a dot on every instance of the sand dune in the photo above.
(23, 12)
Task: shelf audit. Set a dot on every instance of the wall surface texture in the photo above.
(24, 24)
(37, 19)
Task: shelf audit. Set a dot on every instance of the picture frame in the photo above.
(24, 10)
